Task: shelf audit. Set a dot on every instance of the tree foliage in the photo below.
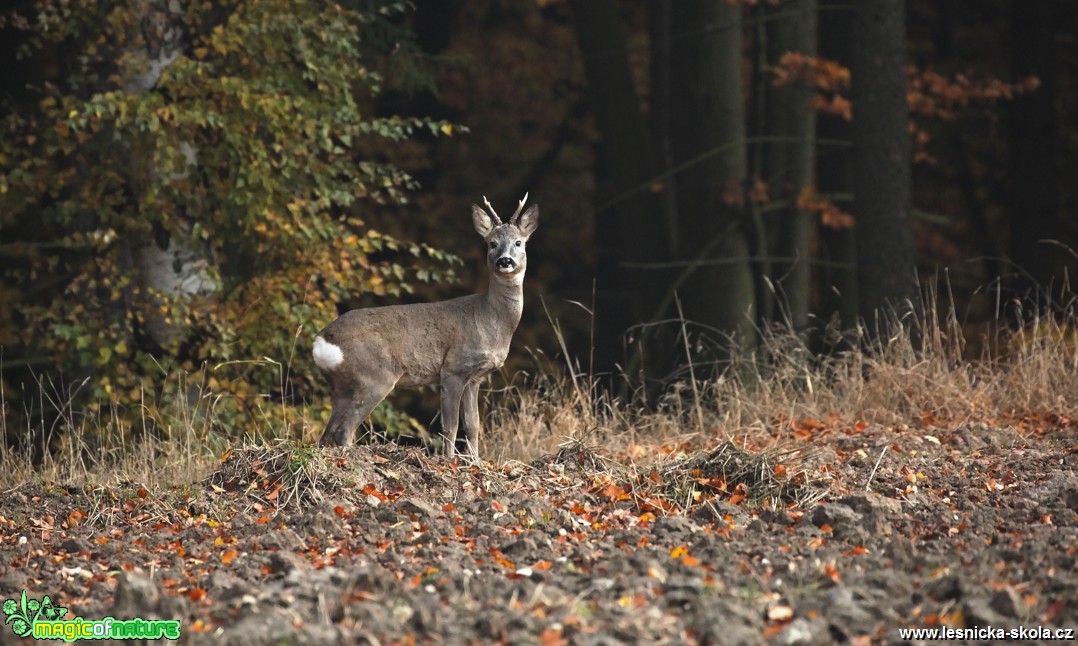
(257, 146)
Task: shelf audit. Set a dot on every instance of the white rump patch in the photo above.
(326, 355)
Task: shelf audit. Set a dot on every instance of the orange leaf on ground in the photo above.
(613, 491)
(552, 637)
(370, 490)
(832, 573)
(717, 483)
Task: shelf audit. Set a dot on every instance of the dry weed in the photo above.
(919, 378)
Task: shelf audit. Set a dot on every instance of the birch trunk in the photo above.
(169, 263)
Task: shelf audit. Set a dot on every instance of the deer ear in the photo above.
(529, 221)
(483, 221)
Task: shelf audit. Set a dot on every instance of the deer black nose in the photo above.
(505, 262)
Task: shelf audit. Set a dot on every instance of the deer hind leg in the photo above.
(469, 410)
(452, 391)
(350, 409)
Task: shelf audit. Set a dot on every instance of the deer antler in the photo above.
(491, 209)
(520, 206)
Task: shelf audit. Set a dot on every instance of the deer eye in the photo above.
(493, 244)
(518, 243)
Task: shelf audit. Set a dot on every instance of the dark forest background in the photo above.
(199, 189)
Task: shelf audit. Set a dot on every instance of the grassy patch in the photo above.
(752, 424)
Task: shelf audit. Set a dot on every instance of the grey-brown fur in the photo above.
(455, 343)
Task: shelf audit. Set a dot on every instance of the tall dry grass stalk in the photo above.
(919, 374)
(175, 437)
(922, 377)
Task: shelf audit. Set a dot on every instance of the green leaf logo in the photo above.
(18, 614)
(22, 613)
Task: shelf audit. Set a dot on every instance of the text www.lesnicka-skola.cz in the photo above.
(988, 632)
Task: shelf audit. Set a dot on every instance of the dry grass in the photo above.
(904, 379)
(175, 439)
(279, 474)
(773, 476)
(918, 379)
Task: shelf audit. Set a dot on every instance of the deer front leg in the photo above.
(452, 391)
(469, 410)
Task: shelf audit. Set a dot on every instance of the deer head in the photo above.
(507, 256)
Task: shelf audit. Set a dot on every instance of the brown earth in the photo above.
(845, 534)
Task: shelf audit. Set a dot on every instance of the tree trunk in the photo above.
(881, 174)
(834, 175)
(629, 227)
(708, 137)
(1033, 203)
(168, 263)
(789, 163)
(661, 117)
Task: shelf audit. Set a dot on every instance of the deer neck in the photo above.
(506, 297)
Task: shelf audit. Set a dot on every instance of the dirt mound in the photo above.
(852, 536)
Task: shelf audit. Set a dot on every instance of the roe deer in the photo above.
(366, 353)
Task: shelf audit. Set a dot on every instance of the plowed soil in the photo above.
(849, 536)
